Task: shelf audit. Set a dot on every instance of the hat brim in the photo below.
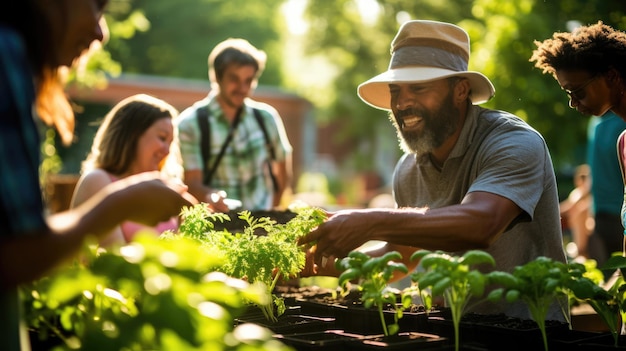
(375, 92)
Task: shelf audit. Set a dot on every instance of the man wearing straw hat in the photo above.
(470, 178)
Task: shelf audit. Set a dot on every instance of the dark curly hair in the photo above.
(595, 48)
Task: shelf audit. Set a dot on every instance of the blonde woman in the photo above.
(135, 137)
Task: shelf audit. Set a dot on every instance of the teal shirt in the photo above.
(606, 177)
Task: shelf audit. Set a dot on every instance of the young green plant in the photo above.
(151, 294)
(256, 258)
(609, 304)
(539, 284)
(373, 275)
(453, 278)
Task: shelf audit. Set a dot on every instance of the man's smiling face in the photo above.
(424, 114)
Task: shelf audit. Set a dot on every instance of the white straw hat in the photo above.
(424, 51)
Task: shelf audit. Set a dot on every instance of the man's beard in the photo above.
(438, 126)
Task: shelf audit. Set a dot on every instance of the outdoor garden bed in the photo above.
(347, 325)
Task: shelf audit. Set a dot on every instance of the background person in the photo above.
(246, 153)
(37, 37)
(470, 178)
(606, 186)
(576, 211)
(589, 64)
(134, 137)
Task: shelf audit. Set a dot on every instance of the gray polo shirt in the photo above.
(498, 153)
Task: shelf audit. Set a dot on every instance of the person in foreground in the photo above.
(470, 178)
(135, 137)
(231, 144)
(590, 66)
(37, 38)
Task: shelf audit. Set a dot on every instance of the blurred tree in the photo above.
(347, 42)
(502, 34)
(503, 45)
(182, 33)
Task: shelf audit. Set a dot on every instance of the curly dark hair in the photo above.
(595, 48)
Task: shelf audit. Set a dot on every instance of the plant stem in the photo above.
(456, 309)
(539, 311)
(609, 317)
(382, 319)
(268, 309)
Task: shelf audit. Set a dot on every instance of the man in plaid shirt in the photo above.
(244, 161)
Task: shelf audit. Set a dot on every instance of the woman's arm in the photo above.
(88, 186)
(143, 198)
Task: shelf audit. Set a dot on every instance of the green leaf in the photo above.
(418, 255)
(502, 278)
(476, 281)
(440, 286)
(495, 294)
(348, 275)
(512, 296)
(613, 263)
(428, 279)
(473, 257)
(393, 329)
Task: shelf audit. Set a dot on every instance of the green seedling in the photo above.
(614, 307)
(453, 278)
(373, 275)
(151, 294)
(256, 258)
(539, 284)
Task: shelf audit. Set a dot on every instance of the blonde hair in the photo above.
(53, 107)
(115, 144)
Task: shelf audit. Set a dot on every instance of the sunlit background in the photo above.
(318, 53)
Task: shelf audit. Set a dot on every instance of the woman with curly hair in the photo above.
(589, 64)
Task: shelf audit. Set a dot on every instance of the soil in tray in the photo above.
(321, 340)
(403, 341)
(292, 323)
(497, 331)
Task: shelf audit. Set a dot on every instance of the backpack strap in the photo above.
(207, 173)
(268, 145)
(202, 115)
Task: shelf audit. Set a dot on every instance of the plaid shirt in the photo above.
(242, 171)
(21, 205)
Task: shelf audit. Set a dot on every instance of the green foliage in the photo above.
(149, 295)
(453, 278)
(178, 36)
(538, 283)
(256, 258)
(606, 306)
(344, 47)
(374, 274)
(51, 163)
(502, 33)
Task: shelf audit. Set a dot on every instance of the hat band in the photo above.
(427, 56)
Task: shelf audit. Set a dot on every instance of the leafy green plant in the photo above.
(453, 278)
(149, 295)
(538, 283)
(374, 274)
(614, 307)
(256, 258)
(585, 286)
